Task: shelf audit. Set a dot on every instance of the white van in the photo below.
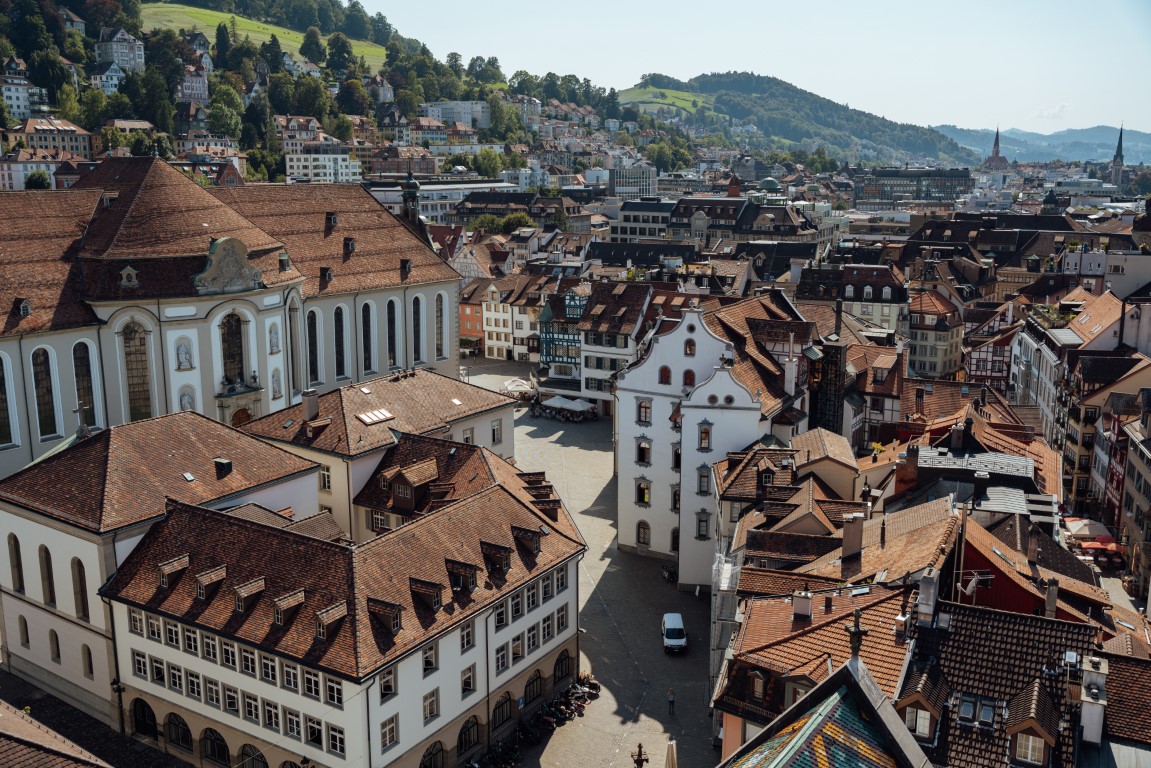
(673, 633)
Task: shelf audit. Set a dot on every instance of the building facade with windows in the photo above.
(117, 45)
(64, 541)
(343, 654)
(231, 309)
(349, 431)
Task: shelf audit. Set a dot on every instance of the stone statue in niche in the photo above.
(274, 340)
(186, 401)
(277, 385)
(183, 356)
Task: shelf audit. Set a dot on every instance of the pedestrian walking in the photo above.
(671, 701)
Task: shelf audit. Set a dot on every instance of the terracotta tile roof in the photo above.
(1128, 698)
(122, 475)
(773, 638)
(364, 416)
(158, 212)
(1016, 533)
(792, 547)
(931, 303)
(28, 744)
(381, 239)
(740, 475)
(615, 308)
(998, 656)
(461, 470)
(1099, 313)
(321, 526)
(341, 579)
(768, 582)
(819, 443)
(37, 233)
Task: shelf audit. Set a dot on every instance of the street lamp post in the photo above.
(639, 758)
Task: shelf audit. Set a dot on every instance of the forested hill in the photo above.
(780, 110)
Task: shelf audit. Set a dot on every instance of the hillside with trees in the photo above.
(769, 113)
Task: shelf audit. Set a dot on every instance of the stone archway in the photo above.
(241, 417)
(143, 719)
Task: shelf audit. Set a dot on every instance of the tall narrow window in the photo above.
(338, 338)
(313, 346)
(366, 336)
(54, 645)
(16, 562)
(5, 412)
(293, 346)
(47, 580)
(79, 589)
(86, 662)
(137, 372)
(689, 378)
(392, 334)
(85, 389)
(417, 328)
(232, 344)
(440, 334)
(45, 393)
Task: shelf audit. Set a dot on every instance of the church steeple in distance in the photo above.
(995, 147)
(996, 162)
(1117, 161)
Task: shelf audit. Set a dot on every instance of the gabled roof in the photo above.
(153, 211)
(381, 239)
(819, 443)
(361, 418)
(349, 581)
(37, 232)
(1128, 698)
(25, 742)
(998, 656)
(122, 475)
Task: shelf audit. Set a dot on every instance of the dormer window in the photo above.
(128, 278)
(285, 606)
(758, 686)
(767, 478)
(918, 722)
(1030, 749)
(528, 538)
(986, 713)
(967, 709)
(247, 593)
(427, 591)
(328, 618)
(170, 568)
(321, 630)
(849, 291)
(25, 307)
(208, 581)
(390, 613)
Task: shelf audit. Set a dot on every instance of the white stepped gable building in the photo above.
(712, 383)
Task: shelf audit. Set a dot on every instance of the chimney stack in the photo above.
(883, 532)
(981, 480)
(838, 317)
(801, 605)
(852, 535)
(928, 594)
(311, 404)
(919, 395)
(828, 603)
(1033, 544)
(956, 438)
(1093, 699)
(223, 467)
(1052, 601)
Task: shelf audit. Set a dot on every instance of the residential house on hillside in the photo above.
(107, 77)
(117, 45)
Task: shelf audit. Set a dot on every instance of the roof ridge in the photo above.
(814, 625)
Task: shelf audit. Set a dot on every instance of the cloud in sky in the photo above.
(1056, 112)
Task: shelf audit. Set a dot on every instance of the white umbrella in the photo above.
(670, 761)
(517, 385)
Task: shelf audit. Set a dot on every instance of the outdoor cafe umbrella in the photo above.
(670, 761)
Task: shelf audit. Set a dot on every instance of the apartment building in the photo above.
(328, 654)
(118, 46)
(641, 218)
(936, 330)
(324, 163)
(64, 540)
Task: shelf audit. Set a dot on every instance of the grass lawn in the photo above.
(173, 16)
(650, 99)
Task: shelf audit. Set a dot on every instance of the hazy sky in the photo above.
(1040, 65)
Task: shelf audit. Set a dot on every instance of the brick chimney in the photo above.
(1052, 601)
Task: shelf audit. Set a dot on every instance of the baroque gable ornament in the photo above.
(228, 270)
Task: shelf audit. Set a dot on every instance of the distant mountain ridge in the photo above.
(1096, 143)
(786, 112)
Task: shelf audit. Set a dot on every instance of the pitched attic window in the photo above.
(25, 307)
(497, 557)
(462, 576)
(128, 278)
(208, 581)
(767, 478)
(286, 606)
(247, 593)
(326, 274)
(967, 709)
(331, 220)
(170, 568)
(285, 262)
(528, 538)
(391, 613)
(427, 591)
(328, 618)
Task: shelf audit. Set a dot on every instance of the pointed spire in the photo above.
(1119, 147)
(995, 147)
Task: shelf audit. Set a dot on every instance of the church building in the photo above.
(137, 293)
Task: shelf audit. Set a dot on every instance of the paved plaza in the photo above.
(622, 597)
